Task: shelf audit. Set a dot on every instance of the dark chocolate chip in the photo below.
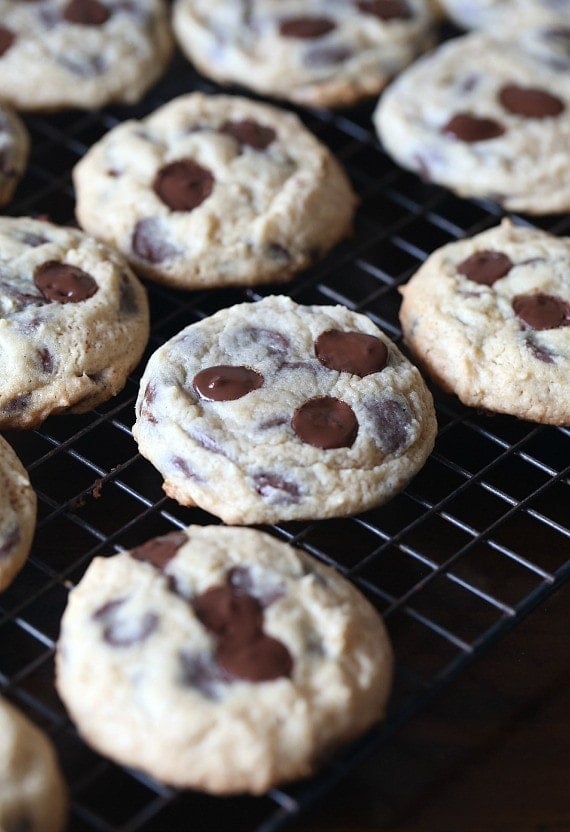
(274, 343)
(260, 660)
(391, 420)
(21, 299)
(468, 128)
(7, 38)
(32, 239)
(485, 266)
(540, 352)
(276, 489)
(306, 27)
(63, 283)
(531, 102)
(275, 422)
(225, 383)
(326, 423)
(183, 185)
(542, 311)
(11, 539)
(17, 404)
(232, 615)
(206, 441)
(249, 132)
(86, 12)
(200, 671)
(148, 241)
(322, 56)
(386, 9)
(351, 352)
(84, 66)
(107, 610)
(127, 298)
(160, 550)
(46, 360)
(184, 466)
(127, 633)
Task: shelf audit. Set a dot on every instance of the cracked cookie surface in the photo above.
(489, 318)
(220, 659)
(275, 411)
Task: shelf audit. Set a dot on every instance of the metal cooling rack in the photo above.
(476, 541)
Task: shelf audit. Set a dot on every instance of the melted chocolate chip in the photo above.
(18, 403)
(306, 27)
(148, 241)
(127, 298)
(85, 66)
(539, 352)
(351, 352)
(225, 383)
(46, 360)
(86, 12)
(391, 419)
(7, 38)
(275, 489)
(468, 128)
(232, 615)
(249, 132)
(386, 9)
(261, 660)
(184, 466)
(200, 671)
(107, 610)
(326, 423)
(63, 283)
(327, 56)
(183, 185)
(160, 550)
(542, 311)
(274, 343)
(127, 633)
(206, 441)
(530, 102)
(485, 267)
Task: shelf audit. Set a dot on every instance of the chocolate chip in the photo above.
(540, 352)
(107, 610)
(531, 102)
(468, 128)
(21, 299)
(386, 9)
(17, 404)
(86, 12)
(261, 660)
(30, 238)
(273, 343)
(85, 66)
(160, 550)
(275, 251)
(206, 441)
(306, 27)
(128, 632)
(63, 283)
(46, 360)
(249, 132)
(148, 241)
(11, 539)
(326, 423)
(230, 614)
(184, 466)
(485, 267)
(183, 185)
(327, 56)
(127, 298)
(7, 38)
(391, 420)
(224, 383)
(275, 489)
(351, 352)
(199, 671)
(542, 311)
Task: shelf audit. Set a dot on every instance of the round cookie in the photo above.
(33, 795)
(273, 411)
(487, 117)
(81, 53)
(489, 319)
(17, 517)
(214, 191)
(74, 321)
(14, 149)
(220, 659)
(328, 53)
(507, 14)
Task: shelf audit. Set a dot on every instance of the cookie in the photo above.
(273, 411)
(328, 53)
(14, 149)
(17, 517)
(81, 53)
(220, 659)
(487, 117)
(74, 321)
(507, 14)
(489, 319)
(33, 795)
(214, 191)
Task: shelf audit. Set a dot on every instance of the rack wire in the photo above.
(476, 541)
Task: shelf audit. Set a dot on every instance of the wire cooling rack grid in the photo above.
(455, 561)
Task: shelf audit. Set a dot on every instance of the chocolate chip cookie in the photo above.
(328, 54)
(274, 411)
(81, 53)
(214, 191)
(33, 795)
(487, 117)
(74, 321)
(507, 14)
(220, 659)
(489, 319)
(17, 516)
(14, 149)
